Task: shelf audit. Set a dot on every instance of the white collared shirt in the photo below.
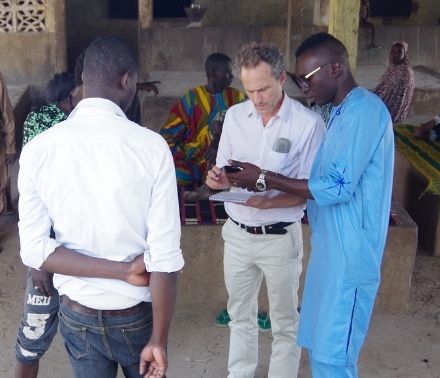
(108, 188)
(244, 138)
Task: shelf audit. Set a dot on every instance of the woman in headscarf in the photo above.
(396, 86)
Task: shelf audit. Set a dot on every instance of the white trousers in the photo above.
(247, 259)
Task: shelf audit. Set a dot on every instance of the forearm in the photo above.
(163, 288)
(288, 185)
(285, 200)
(67, 262)
(282, 200)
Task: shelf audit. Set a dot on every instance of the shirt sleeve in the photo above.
(358, 137)
(34, 223)
(163, 252)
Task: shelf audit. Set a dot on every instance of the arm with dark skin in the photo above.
(149, 86)
(163, 288)
(248, 177)
(423, 131)
(289, 185)
(70, 263)
(280, 201)
(153, 359)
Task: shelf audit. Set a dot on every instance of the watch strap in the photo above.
(263, 174)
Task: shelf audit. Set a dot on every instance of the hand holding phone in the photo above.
(232, 168)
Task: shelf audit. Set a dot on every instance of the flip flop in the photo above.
(222, 319)
(263, 321)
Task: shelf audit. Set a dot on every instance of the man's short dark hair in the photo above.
(216, 60)
(321, 40)
(60, 87)
(107, 59)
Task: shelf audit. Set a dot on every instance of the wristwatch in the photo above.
(261, 181)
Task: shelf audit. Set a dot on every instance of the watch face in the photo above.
(261, 185)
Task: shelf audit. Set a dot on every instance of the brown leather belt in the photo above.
(77, 307)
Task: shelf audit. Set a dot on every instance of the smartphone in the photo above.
(232, 168)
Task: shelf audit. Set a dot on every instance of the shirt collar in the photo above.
(283, 111)
(98, 103)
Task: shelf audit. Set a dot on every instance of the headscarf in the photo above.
(396, 86)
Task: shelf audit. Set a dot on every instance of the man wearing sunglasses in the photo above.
(349, 196)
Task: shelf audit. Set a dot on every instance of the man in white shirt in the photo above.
(108, 189)
(263, 238)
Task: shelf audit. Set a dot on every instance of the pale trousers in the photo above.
(247, 259)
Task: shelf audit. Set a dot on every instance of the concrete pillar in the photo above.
(145, 9)
(145, 21)
(320, 12)
(295, 13)
(344, 25)
(58, 13)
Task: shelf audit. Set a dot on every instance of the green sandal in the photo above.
(222, 319)
(263, 321)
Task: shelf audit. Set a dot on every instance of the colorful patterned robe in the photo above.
(38, 121)
(187, 129)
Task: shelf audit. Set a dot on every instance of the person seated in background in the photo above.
(396, 87)
(187, 128)
(215, 131)
(429, 130)
(364, 13)
(59, 99)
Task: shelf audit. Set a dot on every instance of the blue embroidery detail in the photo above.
(338, 111)
(340, 182)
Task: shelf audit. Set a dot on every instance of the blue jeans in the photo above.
(38, 325)
(96, 345)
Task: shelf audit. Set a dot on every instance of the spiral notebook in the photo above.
(234, 197)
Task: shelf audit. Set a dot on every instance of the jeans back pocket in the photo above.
(75, 336)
